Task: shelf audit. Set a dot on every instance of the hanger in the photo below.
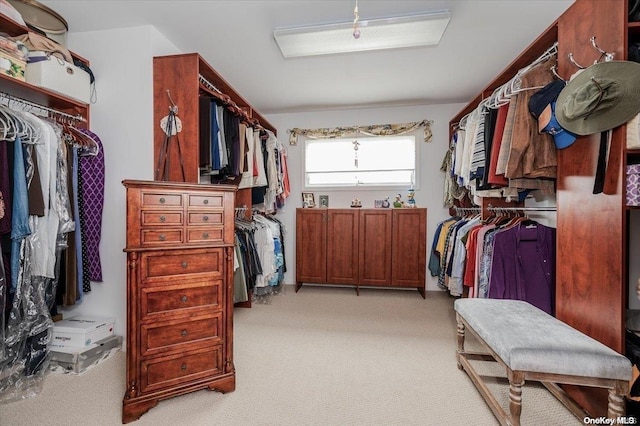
(17, 124)
(513, 86)
(85, 142)
(9, 129)
(553, 50)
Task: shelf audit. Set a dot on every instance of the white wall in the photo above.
(122, 62)
(429, 190)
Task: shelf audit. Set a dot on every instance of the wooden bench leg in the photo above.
(616, 406)
(460, 332)
(516, 380)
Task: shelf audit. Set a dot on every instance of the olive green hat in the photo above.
(601, 97)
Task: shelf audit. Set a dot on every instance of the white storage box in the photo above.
(81, 331)
(77, 360)
(60, 77)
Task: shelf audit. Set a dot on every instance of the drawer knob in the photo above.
(162, 200)
(163, 218)
(184, 299)
(162, 237)
(205, 235)
(183, 333)
(205, 218)
(206, 201)
(183, 367)
(184, 265)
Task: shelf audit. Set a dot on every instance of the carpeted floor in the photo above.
(322, 356)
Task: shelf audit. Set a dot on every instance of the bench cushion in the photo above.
(528, 339)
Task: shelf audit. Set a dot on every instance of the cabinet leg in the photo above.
(422, 292)
(132, 411)
(357, 291)
(298, 285)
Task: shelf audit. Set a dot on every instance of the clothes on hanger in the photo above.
(503, 258)
(496, 150)
(232, 148)
(259, 256)
(36, 220)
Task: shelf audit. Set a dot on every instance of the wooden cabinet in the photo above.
(342, 246)
(374, 262)
(179, 292)
(311, 246)
(361, 247)
(186, 81)
(408, 248)
(592, 229)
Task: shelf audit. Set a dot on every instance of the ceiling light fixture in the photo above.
(356, 18)
(375, 34)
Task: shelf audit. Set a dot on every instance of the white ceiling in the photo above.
(236, 38)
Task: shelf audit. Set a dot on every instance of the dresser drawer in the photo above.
(190, 333)
(206, 218)
(206, 200)
(171, 263)
(163, 300)
(165, 372)
(204, 235)
(159, 237)
(160, 199)
(161, 218)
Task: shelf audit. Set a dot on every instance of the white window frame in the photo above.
(364, 187)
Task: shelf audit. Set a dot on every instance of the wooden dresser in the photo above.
(179, 291)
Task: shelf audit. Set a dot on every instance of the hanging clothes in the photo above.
(260, 247)
(92, 204)
(523, 265)
(35, 221)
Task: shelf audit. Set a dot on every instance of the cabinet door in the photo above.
(409, 248)
(342, 246)
(375, 247)
(311, 245)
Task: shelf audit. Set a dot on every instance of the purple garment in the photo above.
(92, 175)
(523, 266)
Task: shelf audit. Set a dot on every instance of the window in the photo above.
(378, 161)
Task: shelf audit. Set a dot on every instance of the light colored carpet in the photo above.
(322, 356)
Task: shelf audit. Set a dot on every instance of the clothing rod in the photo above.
(252, 122)
(208, 84)
(10, 98)
(522, 209)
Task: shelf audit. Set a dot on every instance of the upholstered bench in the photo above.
(533, 345)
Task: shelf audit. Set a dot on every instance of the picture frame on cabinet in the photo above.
(324, 201)
(308, 200)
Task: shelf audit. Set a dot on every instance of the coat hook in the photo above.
(173, 108)
(573, 61)
(608, 57)
(554, 71)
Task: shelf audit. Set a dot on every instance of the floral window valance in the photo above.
(354, 131)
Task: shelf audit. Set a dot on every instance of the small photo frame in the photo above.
(377, 204)
(324, 201)
(308, 200)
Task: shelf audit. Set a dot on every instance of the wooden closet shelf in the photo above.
(42, 96)
(14, 29)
